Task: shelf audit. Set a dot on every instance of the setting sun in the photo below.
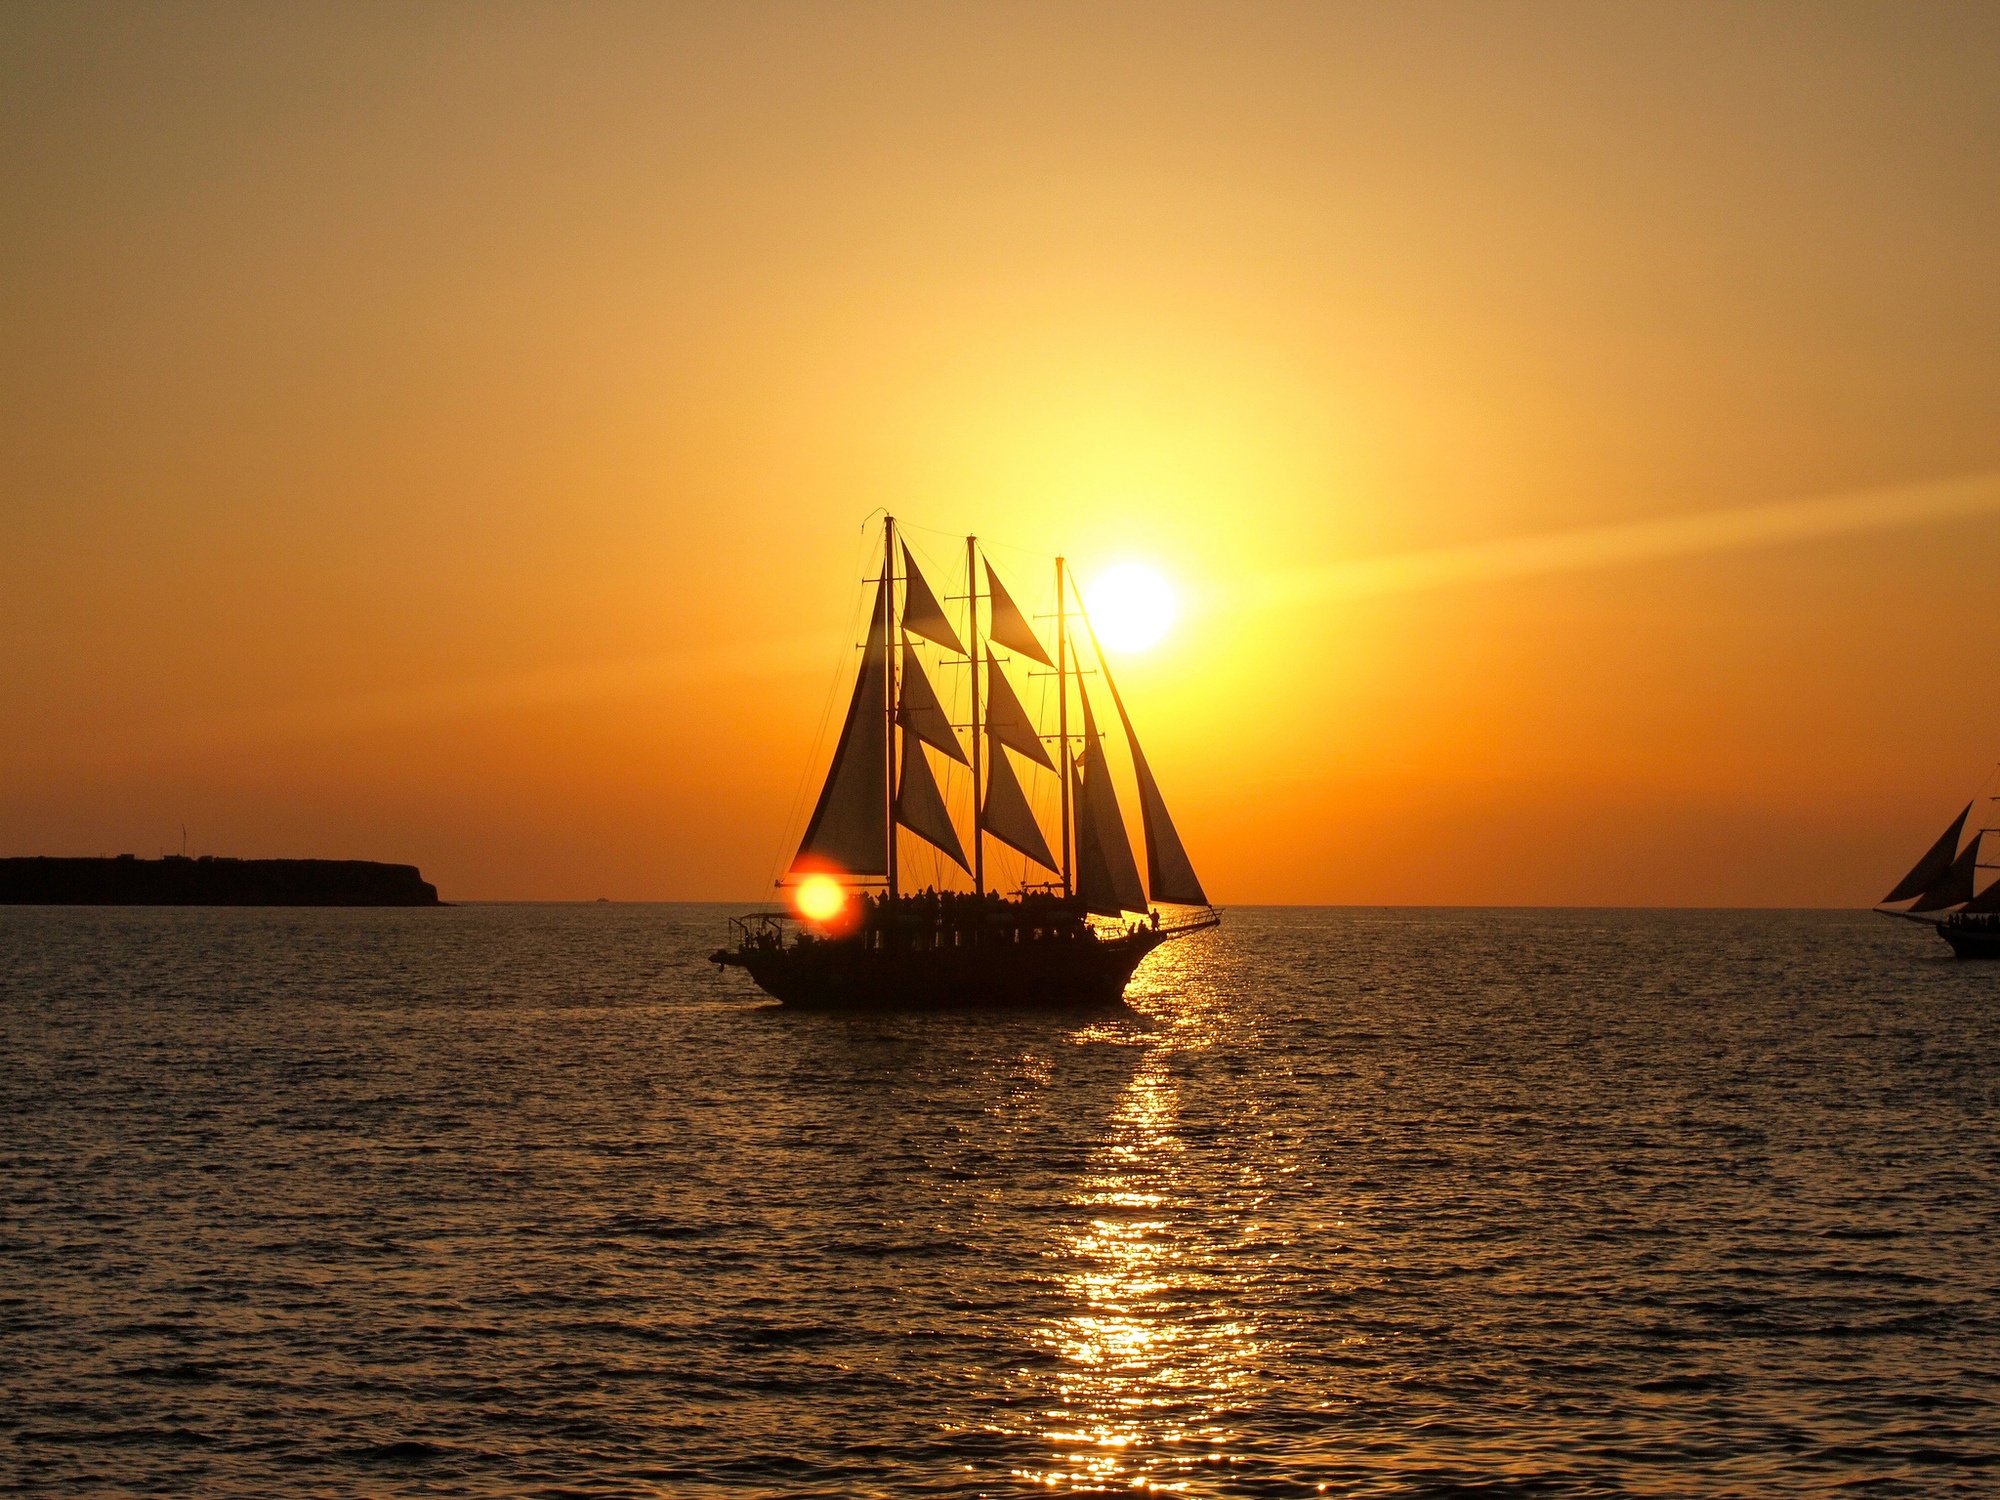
(1131, 607)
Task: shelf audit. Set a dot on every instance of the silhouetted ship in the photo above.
(1942, 889)
(1074, 937)
(209, 881)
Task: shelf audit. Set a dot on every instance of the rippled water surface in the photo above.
(530, 1200)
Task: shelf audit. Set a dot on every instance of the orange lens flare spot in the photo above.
(819, 898)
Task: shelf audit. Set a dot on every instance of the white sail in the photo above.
(849, 831)
(1007, 815)
(1008, 721)
(919, 711)
(1108, 876)
(921, 612)
(1169, 872)
(920, 807)
(1008, 625)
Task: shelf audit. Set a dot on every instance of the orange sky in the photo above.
(444, 434)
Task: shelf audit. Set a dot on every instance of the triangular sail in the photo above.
(1929, 870)
(1007, 625)
(920, 712)
(1007, 815)
(920, 608)
(1109, 876)
(920, 807)
(1956, 886)
(1169, 872)
(849, 830)
(1008, 721)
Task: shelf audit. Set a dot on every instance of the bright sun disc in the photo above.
(819, 898)
(1131, 607)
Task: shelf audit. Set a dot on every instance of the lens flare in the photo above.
(1131, 607)
(819, 898)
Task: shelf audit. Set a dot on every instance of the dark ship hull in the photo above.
(1976, 936)
(840, 974)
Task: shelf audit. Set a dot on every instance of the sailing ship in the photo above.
(858, 934)
(1942, 891)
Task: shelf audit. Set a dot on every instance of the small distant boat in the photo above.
(1942, 892)
(856, 934)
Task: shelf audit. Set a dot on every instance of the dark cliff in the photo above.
(176, 881)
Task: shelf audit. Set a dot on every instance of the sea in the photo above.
(504, 1200)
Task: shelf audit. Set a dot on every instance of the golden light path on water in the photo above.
(1152, 1352)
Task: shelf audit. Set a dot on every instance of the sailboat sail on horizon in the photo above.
(1945, 890)
(882, 809)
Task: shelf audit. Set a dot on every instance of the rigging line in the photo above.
(949, 700)
(793, 813)
(1047, 557)
(1980, 791)
(1104, 668)
(1977, 792)
(1046, 792)
(959, 536)
(953, 772)
(922, 554)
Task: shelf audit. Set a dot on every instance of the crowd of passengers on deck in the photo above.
(931, 918)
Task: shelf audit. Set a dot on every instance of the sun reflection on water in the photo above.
(1153, 1354)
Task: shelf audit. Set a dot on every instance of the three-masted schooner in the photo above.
(1942, 890)
(1072, 939)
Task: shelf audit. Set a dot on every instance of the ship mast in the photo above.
(978, 801)
(889, 691)
(1062, 719)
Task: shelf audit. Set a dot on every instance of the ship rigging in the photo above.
(1074, 936)
(1942, 890)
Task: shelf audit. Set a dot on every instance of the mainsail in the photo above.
(1008, 625)
(919, 711)
(1934, 866)
(850, 826)
(1956, 886)
(1007, 815)
(1107, 875)
(920, 608)
(920, 807)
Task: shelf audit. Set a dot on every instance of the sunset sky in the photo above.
(445, 434)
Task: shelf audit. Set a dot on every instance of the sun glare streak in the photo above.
(1640, 541)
